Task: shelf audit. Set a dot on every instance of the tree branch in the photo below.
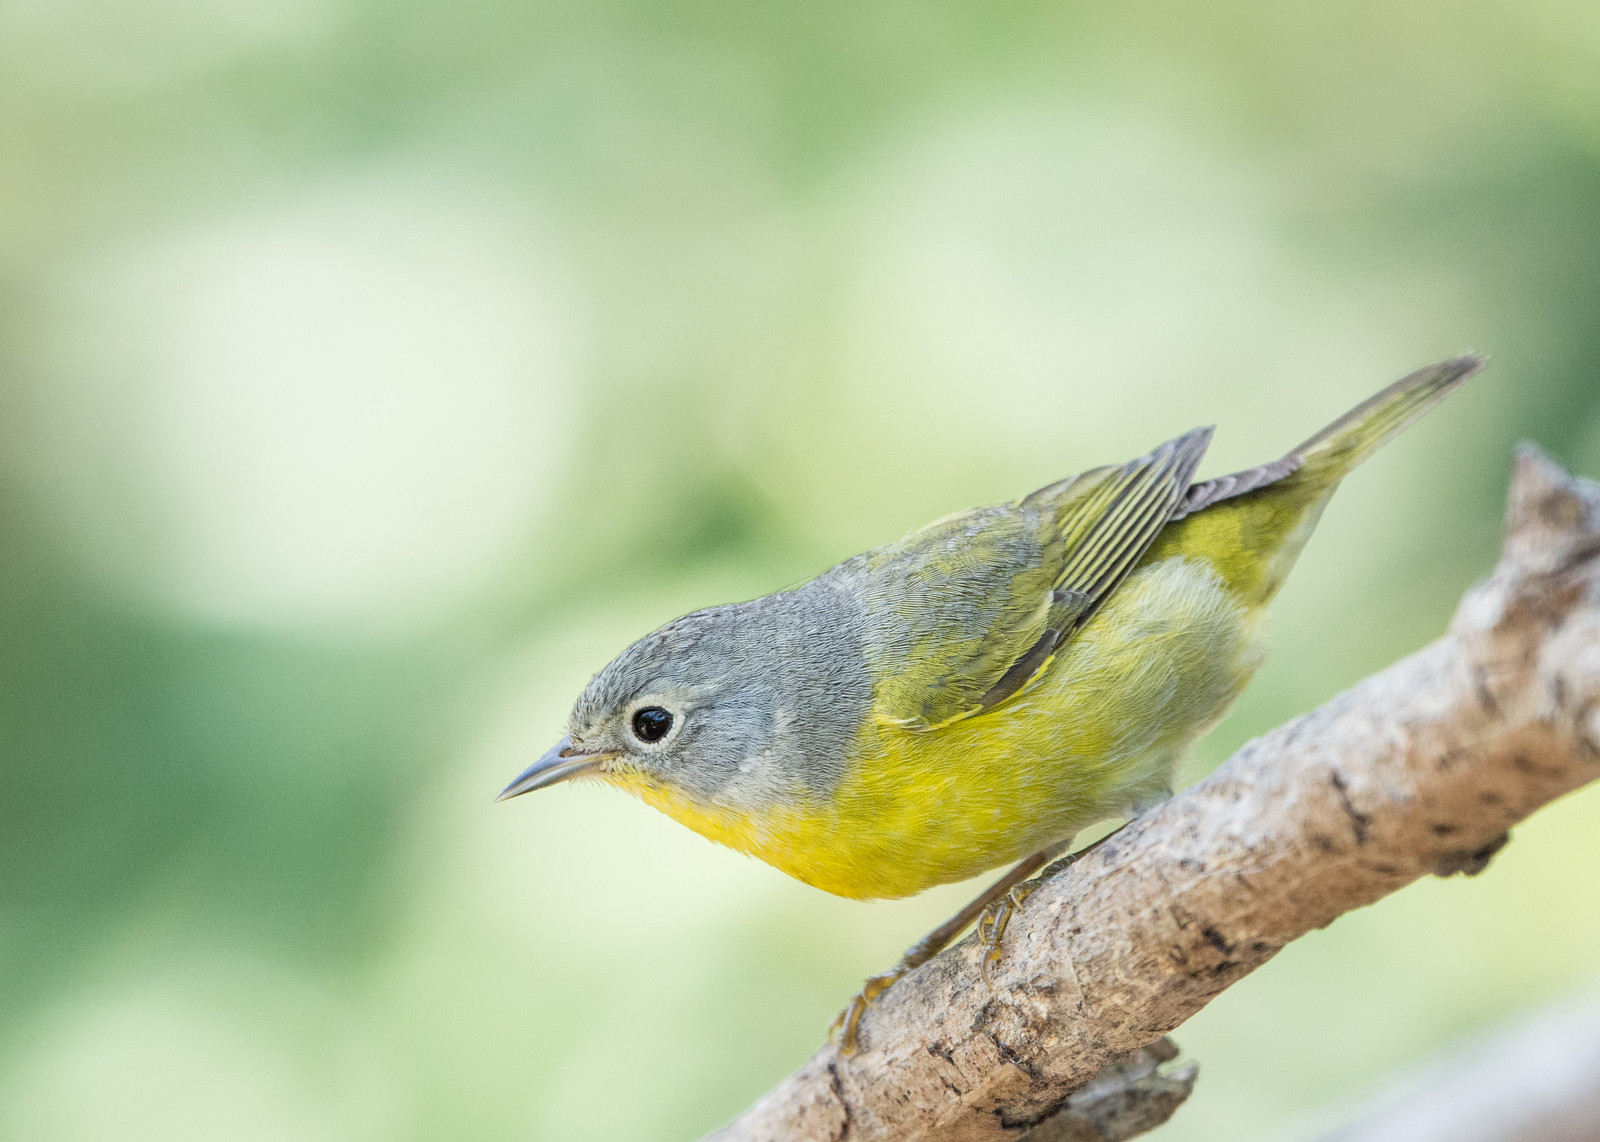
(1421, 769)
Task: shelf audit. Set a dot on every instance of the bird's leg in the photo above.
(843, 1031)
(998, 911)
(992, 910)
(999, 907)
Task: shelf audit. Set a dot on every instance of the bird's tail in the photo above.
(1252, 525)
(1364, 429)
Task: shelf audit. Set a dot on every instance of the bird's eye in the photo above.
(651, 724)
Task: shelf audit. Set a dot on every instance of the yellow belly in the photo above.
(1100, 729)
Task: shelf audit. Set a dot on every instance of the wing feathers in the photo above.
(1144, 496)
(1106, 535)
(983, 600)
(1205, 494)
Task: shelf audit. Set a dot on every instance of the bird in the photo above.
(979, 692)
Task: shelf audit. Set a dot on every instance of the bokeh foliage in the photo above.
(372, 370)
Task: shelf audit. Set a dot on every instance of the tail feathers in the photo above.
(1253, 524)
(1321, 462)
(1364, 429)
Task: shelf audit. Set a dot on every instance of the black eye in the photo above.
(651, 724)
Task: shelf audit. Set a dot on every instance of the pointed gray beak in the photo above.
(560, 763)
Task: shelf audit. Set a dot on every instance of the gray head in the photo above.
(744, 705)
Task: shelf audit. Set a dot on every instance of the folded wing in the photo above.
(972, 607)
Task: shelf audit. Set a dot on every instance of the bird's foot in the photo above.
(997, 912)
(842, 1033)
(992, 924)
(992, 910)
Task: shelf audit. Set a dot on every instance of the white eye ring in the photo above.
(651, 724)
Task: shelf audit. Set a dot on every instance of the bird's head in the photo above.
(710, 706)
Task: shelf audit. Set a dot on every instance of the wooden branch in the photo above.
(1538, 1081)
(1418, 770)
(1126, 1099)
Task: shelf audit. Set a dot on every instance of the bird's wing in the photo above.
(970, 608)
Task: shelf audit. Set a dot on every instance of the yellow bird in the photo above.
(981, 691)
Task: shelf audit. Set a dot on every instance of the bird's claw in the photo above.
(992, 926)
(992, 923)
(842, 1033)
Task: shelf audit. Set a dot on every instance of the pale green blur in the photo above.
(371, 372)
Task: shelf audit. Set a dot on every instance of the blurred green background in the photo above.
(371, 371)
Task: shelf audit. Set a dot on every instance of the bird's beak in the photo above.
(560, 763)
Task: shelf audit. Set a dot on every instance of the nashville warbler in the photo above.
(980, 691)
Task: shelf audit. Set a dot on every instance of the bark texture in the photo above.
(1419, 770)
